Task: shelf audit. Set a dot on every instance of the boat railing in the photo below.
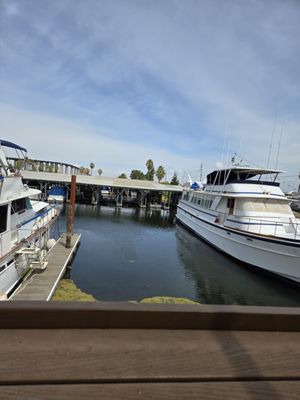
(270, 227)
(27, 235)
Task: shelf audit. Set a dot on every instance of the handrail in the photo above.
(263, 223)
(36, 216)
(29, 239)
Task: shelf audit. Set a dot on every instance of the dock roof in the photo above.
(101, 181)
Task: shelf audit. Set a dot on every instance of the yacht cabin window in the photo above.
(3, 218)
(230, 205)
(18, 206)
(203, 200)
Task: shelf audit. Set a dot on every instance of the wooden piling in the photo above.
(70, 214)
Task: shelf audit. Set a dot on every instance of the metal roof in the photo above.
(101, 181)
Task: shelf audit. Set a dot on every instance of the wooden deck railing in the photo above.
(122, 315)
(138, 351)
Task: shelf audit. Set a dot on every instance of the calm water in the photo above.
(129, 254)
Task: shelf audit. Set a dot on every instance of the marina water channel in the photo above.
(130, 254)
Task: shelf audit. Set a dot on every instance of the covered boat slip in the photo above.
(133, 351)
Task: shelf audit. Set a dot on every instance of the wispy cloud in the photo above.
(167, 79)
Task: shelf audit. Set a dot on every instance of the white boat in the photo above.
(57, 194)
(25, 224)
(243, 212)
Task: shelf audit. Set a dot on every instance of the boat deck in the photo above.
(134, 351)
(42, 285)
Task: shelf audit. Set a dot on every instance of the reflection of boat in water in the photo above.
(218, 279)
(249, 219)
(25, 224)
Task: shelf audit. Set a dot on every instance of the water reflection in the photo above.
(156, 218)
(129, 254)
(221, 280)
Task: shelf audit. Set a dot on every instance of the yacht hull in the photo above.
(281, 257)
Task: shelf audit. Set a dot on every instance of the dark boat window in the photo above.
(18, 206)
(3, 218)
(230, 205)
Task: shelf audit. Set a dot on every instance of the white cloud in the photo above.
(58, 139)
(10, 8)
(178, 75)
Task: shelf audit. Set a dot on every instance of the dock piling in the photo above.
(71, 210)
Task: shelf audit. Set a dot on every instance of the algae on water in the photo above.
(168, 300)
(68, 291)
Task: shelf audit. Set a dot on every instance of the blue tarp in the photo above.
(195, 185)
(6, 143)
(57, 191)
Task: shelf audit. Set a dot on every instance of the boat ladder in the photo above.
(35, 256)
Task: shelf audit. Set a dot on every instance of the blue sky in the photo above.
(117, 82)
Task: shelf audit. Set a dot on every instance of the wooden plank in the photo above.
(116, 315)
(42, 286)
(104, 355)
(168, 391)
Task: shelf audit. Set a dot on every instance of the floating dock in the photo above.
(42, 285)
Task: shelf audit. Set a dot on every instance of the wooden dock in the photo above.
(136, 351)
(42, 285)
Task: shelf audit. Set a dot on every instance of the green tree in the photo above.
(160, 173)
(150, 170)
(137, 174)
(100, 171)
(175, 180)
(92, 166)
(56, 168)
(41, 167)
(87, 171)
(123, 176)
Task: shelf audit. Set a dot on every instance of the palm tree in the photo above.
(92, 165)
(100, 171)
(160, 173)
(151, 171)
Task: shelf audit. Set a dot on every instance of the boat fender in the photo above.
(50, 243)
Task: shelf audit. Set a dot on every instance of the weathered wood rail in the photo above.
(42, 285)
(134, 351)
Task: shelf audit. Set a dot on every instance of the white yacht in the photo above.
(25, 224)
(243, 212)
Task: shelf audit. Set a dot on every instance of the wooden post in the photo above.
(70, 215)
